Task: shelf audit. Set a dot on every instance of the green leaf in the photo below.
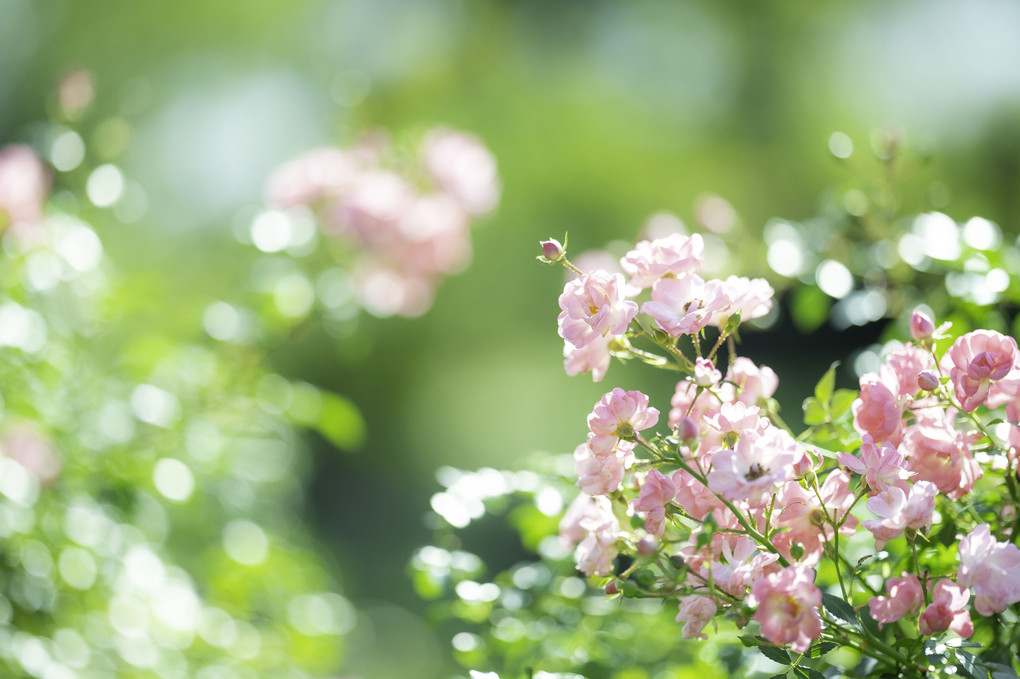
(818, 650)
(840, 609)
(340, 421)
(825, 386)
(781, 675)
(749, 641)
(814, 412)
(807, 673)
(841, 402)
(775, 654)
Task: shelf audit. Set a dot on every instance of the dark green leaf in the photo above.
(818, 650)
(807, 673)
(841, 609)
(781, 675)
(775, 654)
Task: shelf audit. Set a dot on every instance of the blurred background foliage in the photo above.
(599, 113)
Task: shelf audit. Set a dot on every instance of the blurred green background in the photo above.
(599, 114)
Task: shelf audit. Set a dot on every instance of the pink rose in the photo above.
(753, 382)
(619, 414)
(905, 596)
(593, 357)
(593, 306)
(656, 492)
(980, 358)
(992, 568)
(684, 305)
(878, 412)
(788, 604)
(948, 610)
(753, 470)
(695, 612)
(673, 255)
(882, 466)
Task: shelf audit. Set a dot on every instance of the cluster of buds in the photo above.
(730, 514)
(405, 227)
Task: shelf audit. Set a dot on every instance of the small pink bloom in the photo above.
(805, 518)
(921, 325)
(878, 412)
(687, 402)
(696, 612)
(753, 382)
(656, 492)
(673, 255)
(597, 550)
(948, 610)
(788, 604)
(980, 358)
(693, 496)
(601, 474)
(882, 466)
(619, 414)
(593, 306)
(593, 357)
(736, 418)
(741, 564)
(462, 166)
(753, 470)
(905, 596)
(992, 568)
(899, 510)
(684, 305)
(902, 367)
(937, 452)
(751, 298)
(584, 510)
(552, 250)
(705, 373)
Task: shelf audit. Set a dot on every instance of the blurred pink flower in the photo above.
(600, 474)
(310, 178)
(948, 610)
(463, 167)
(903, 365)
(992, 568)
(750, 297)
(33, 450)
(584, 510)
(695, 612)
(788, 604)
(24, 185)
(905, 596)
(593, 357)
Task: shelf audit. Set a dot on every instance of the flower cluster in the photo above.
(733, 514)
(404, 227)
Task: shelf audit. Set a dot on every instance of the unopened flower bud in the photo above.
(647, 545)
(676, 560)
(921, 326)
(687, 430)
(796, 551)
(612, 588)
(552, 250)
(927, 381)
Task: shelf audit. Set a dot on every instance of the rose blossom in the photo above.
(685, 304)
(992, 568)
(755, 467)
(463, 167)
(673, 255)
(881, 466)
(597, 550)
(878, 412)
(921, 325)
(948, 610)
(898, 510)
(750, 297)
(788, 604)
(619, 414)
(804, 517)
(695, 612)
(585, 509)
(593, 306)
(753, 382)
(593, 357)
(657, 491)
(705, 372)
(937, 452)
(979, 358)
(902, 367)
(905, 596)
(599, 474)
